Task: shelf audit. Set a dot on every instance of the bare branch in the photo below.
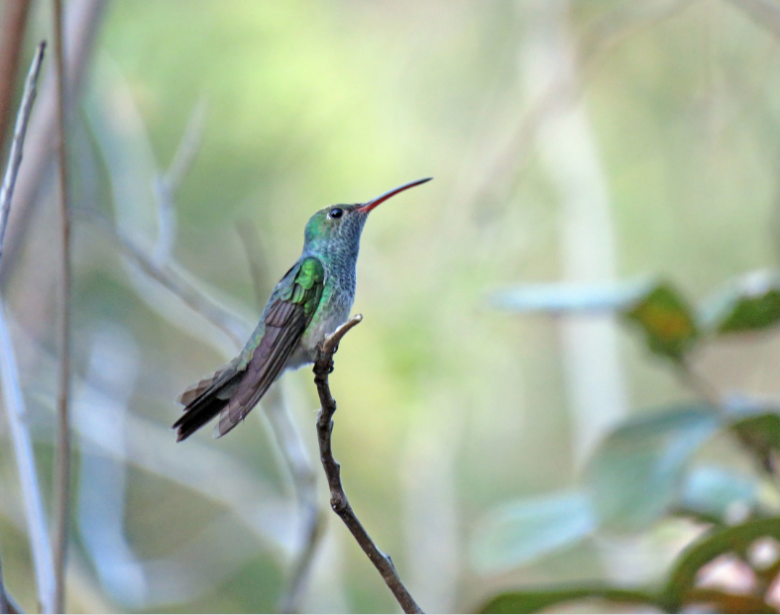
(14, 402)
(82, 20)
(62, 461)
(323, 366)
(13, 23)
(231, 325)
(331, 344)
(166, 184)
(253, 248)
(17, 146)
(188, 148)
(37, 526)
(699, 384)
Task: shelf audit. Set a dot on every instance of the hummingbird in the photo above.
(309, 303)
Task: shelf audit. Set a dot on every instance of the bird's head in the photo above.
(339, 226)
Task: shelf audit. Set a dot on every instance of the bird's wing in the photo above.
(286, 319)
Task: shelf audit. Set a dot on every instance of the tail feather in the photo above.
(205, 400)
(197, 415)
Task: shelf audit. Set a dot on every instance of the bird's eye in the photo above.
(336, 212)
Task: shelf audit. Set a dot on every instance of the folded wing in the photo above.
(234, 390)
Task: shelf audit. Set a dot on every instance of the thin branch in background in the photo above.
(166, 184)
(12, 25)
(160, 269)
(232, 326)
(323, 366)
(82, 20)
(62, 460)
(136, 167)
(698, 383)
(252, 504)
(258, 271)
(17, 146)
(506, 163)
(3, 599)
(304, 481)
(37, 527)
(7, 604)
(289, 440)
(9, 376)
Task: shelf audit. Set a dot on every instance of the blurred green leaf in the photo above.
(636, 471)
(520, 531)
(667, 320)
(710, 490)
(712, 545)
(752, 303)
(535, 601)
(568, 297)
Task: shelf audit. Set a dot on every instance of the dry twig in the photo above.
(166, 184)
(231, 325)
(14, 402)
(17, 146)
(82, 19)
(62, 462)
(323, 366)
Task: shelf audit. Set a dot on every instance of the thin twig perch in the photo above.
(323, 366)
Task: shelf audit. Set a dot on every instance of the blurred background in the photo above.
(569, 141)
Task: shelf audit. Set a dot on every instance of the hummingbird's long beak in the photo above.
(366, 207)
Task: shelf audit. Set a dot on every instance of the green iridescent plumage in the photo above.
(309, 302)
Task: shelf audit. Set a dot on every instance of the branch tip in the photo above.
(331, 343)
